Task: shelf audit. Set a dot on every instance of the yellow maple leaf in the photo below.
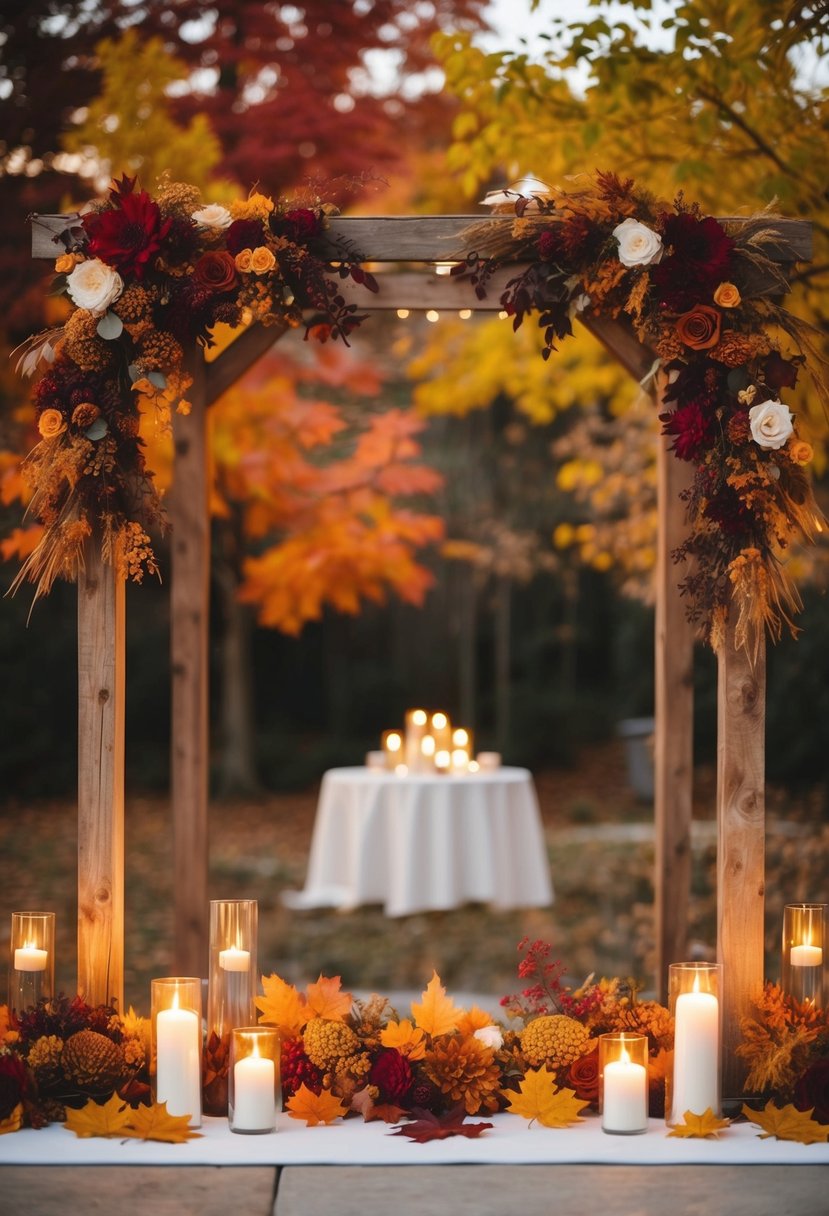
(314, 1108)
(788, 1123)
(282, 1006)
(154, 1123)
(540, 1098)
(111, 1119)
(698, 1127)
(327, 1001)
(438, 1013)
(408, 1039)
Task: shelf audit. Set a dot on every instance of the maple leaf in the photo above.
(788, 1123)
(154, 1123)
(440, 1127)
(314, 1108)
(327, 1001)
(540, 1098)
(438, 1013)
(282, 1006)
(408, 1039)
(698, 1127)
(364, 1104)
(474, 1019)
(111, 1119)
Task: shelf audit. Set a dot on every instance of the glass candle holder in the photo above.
(803, 956)
(623, 1083)
(32, 959)
(695, 1084)
(255, 1093)
(230, 992)
(177, 1045)
(392, 743)
(489, 762)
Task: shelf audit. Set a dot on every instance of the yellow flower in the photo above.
(67, 262)
(727, 296)
(243, 260)
(51, 424)
(257, 207)
(262, 260)
(800, 452)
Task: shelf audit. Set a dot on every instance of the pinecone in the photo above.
(92, 1061)
(554, 1039)
(327, 1043)
(298, 1070)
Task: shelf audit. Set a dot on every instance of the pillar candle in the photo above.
(254, 1103)
(696, 1054)
(178, 1062)
(625, 1096)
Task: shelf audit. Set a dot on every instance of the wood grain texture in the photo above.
(101, 677)
(189, 617)
(741, 714)
(674, 731)
(228, 367)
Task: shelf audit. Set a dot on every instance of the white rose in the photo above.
(490, 1036)
(771, 424)
(638, 244)
(213, 216)
(94, 286)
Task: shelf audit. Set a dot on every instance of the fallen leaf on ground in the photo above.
(154, 1123)
(440, 1127)
(314, 1108)
(698, 1127)
(788, 1123)
(540, 1098)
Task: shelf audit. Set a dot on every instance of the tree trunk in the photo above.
(503, 664)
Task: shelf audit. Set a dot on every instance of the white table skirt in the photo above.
(512, 1141)
(422, 842)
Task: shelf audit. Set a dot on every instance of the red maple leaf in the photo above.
(427, 1126)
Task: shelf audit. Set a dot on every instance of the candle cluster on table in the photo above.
(32, 959)
(429, 743)
(623, 1083)
(231, 990)
(695, 991)
(177, 1045)
(803, 953)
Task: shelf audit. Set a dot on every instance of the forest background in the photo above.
(435, 516)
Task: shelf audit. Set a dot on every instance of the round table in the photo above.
(425, 842)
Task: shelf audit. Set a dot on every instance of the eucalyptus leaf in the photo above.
(97, 430)
(158, 379)
(110, 326)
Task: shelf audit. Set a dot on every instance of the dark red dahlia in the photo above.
(297, 1069)
(392, 1073)
(691, 428)
(779, 372)
(698, 380)
(182, 241)
(244, 234)
(699, 259)
(129, 232)
(812, 1090)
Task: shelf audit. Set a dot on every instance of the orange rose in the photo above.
(727, 296)
(800, 452)
(262, 260)
(51, 423)
(243, 260)
(67, 262)
(699, 329)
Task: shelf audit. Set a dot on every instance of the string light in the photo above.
(402, 313)
(432, 315)
(465, 314)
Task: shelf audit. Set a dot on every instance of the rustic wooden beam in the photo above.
(741, 714)
(422, 238)
(101, 677)
(245, 350)
(674, 720)
(189, 624)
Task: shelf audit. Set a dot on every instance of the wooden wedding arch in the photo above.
(101, 668)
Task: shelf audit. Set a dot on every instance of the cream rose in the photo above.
(490, 1036)
(771, 424)
(94, 286)
(213, 216)
(638, 244)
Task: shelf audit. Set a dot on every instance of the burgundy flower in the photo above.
(698, 380)
(128, 232)
(12, 1084)
(727, 509)
(300, 224)
(812, 1090)
(392, 1074)
(182, 241)
(691, 428)
(549, 245)
(215, 271)
(779, 372)
(244, 234)
(698, 261)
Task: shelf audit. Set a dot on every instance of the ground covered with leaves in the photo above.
(599, 840)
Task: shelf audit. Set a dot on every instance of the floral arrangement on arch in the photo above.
(148, 279)
(703, 295)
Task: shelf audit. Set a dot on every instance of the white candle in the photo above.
(806, 956)
(178, 1061)
(427, 747)
(696, 1054)
(234, 959)
(30, 958)
(460, 760)
(254, 1102)
(625, 1096)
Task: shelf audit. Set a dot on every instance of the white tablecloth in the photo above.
(512, 1141)
(420, 843)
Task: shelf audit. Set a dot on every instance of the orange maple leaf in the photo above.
(154, 1123)
(326, 1000)
(408, 1040)
(698, 1127)
(314, 1108)
(438, 1013)
(282, 1006)
(540, 1098)
(474, 1019)
(111, 1119)
(788, 1123)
